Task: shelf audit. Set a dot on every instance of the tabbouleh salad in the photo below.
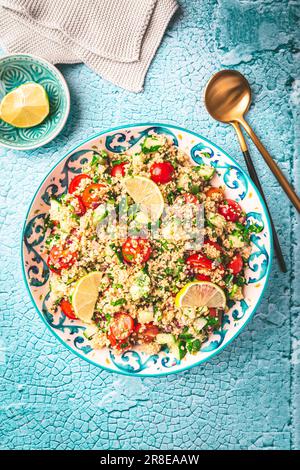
(140, 289)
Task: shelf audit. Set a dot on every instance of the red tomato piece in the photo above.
(76, 182)
(211, 192)
(119, 170)
(136, 250)
(92, 196)
(236, 264)
(121, 327)
(67, 309)
(214, 244)
(112, 339)
(221, 268)
(187, 198)
(61, 258)
(149, 333)
(190, 198)
(199, 261)
(51, 267)
(162, 172)
(231, 210)
(137, 327)
(213, 312)
(203, 277)
(81, 207)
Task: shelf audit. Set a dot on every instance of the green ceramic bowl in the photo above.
(17, 69)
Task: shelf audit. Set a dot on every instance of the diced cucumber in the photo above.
(55, 209)
(57, 287)
(200, 323)
(205, 171)
(141, 218)
(217, 220)
(236, 240)
(145, 316)
(170, 341)
(152, 143)
(99, 214)
(165, 338)
(140, 286)
(63, 214)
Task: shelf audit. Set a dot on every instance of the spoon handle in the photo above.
(272, 165)
(255, 179)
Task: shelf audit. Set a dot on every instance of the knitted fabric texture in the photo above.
(116, 38)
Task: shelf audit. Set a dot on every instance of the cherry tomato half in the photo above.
(61, 258)
(199, 261)
(51, 266)
(121, 327)
(211, 192)
(136, 250)
(149, 333)
(236, 264)
(76, 182)
(119, 170)
(137, 327)
(203, 277)
(67, 309)
(81, 209)
(162, 172)
(92, 196)
(214, 244)
(213, 312)
(187, 198)
(231, 210)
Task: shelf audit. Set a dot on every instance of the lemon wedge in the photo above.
(201, 294)
(147, 194)
(85, 296)
(25, 106)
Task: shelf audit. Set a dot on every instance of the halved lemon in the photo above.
(147, 194)
(201, 294)
(85, 296)
(25, 106)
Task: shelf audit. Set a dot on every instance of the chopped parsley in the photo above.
(115, 303)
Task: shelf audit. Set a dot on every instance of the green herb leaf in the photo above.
(115, 303)
(182, 349)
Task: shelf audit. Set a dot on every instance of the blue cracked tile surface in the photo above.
(245, 398)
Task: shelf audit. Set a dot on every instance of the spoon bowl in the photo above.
(227, 96)
(227, 99)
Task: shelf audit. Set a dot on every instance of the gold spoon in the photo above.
(255, 179)
(228, 98)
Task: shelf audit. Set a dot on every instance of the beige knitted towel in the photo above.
(116, 38)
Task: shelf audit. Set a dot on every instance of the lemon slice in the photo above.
(201, 294)
(147, 194)
(85, 296)
(25, 106)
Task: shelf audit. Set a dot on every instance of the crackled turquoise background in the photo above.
(245, 398)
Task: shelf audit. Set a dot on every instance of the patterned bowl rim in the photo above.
(225, 344)
(65, 87)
